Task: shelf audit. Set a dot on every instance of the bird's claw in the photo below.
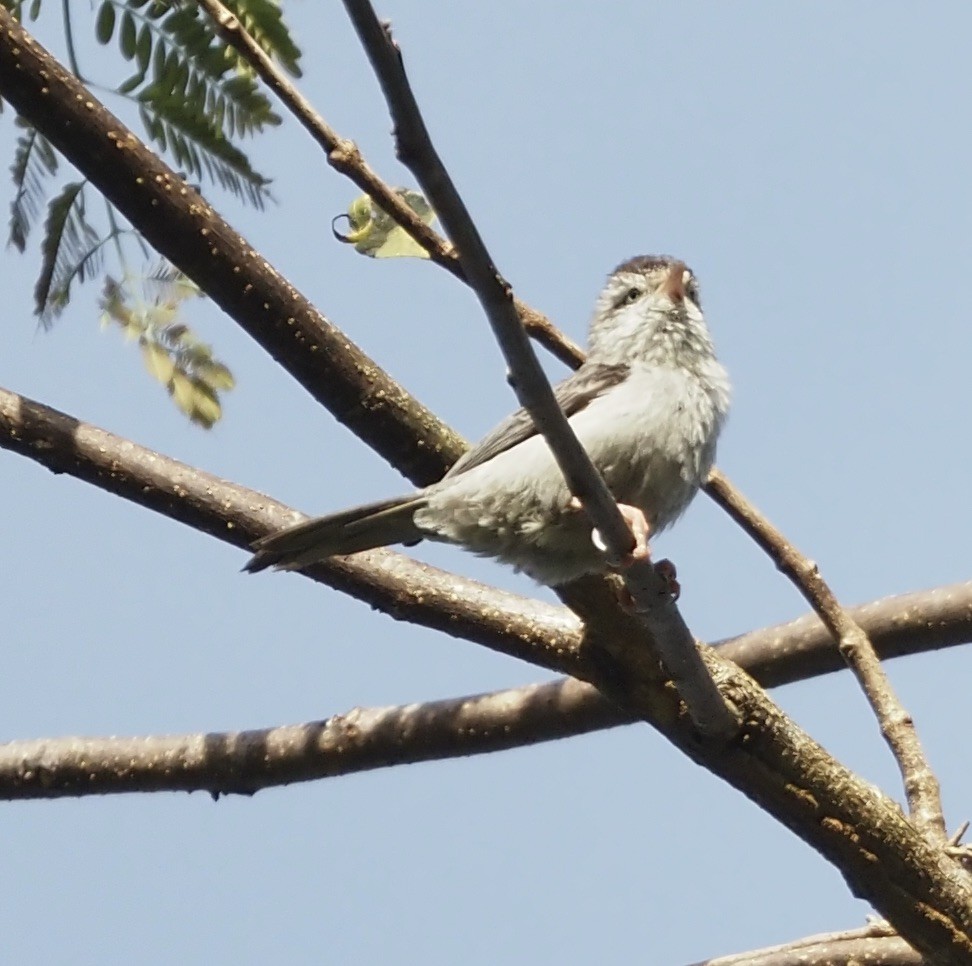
(666, 571)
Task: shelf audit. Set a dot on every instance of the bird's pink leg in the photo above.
(640, 530)
(637, 524)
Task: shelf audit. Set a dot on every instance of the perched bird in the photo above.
(647, 405)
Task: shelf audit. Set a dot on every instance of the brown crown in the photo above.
(645, 263)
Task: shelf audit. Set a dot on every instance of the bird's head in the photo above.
(649, 310)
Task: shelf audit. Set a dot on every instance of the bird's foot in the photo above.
(637, 524)
(666, 571)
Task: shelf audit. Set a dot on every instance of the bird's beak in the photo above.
(674, 284)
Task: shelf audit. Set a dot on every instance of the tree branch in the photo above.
(905, 624)
(521, 627)
(177, 221)
(672, 639)
(897, 727)
(470, 725)
(874, 945)
(391, 582)
(883, 857)
(247, 761)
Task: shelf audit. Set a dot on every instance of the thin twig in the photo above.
(674, 641)
(956, 840)
(921, 785)
(345, 157)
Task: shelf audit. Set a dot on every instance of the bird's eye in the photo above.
(632, 295)
(692, 289)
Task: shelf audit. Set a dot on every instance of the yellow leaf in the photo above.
(375, 234)
(158, 362)
(215, 375)
(206, 407)
(183, 393)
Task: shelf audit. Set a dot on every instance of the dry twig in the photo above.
(345, 157)
(921, 785)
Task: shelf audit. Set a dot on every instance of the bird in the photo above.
(647, 404)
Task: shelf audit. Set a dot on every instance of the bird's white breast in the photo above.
(653, 439)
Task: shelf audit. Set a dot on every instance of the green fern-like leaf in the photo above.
(105, 22)
(34, 162)
(70, 250)
(128, 35)
(16, 7)
(199, 147)
(195, 101)
(263, 20)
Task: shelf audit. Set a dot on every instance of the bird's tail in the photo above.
(350, 531)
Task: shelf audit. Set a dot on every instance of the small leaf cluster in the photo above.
(197, 100)
(148, 310)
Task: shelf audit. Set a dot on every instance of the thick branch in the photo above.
(883, 857)
(897, 726)
(247, 761)
(672, 639)
(175, 220)
(389, 581)
(471, 725)
(874, 945)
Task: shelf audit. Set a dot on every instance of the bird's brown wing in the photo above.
(573, 393)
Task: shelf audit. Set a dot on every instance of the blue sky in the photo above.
(810, 162)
